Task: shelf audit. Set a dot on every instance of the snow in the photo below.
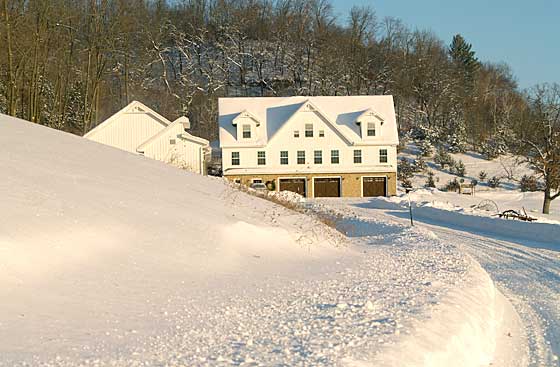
(523, 264)
(109, 258)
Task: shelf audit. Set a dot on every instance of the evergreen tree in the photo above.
(464, 57)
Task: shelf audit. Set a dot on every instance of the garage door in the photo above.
(293, 184)
(375, 186)
(327, 187)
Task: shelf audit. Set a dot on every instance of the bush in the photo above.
(430, 180)
(460, 168)
(452, 185)
(405, 172)
(495, 182)
(426, 149)
(529, 183)
(443, 158)
(419, 165)
(482, 175)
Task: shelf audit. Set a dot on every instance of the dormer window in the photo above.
(371, 129)
(246, 131)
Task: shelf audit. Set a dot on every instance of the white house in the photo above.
(139, 129)
(316, 146)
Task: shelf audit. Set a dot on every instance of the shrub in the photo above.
(529, 183)
(443, 158)
(419, 165)
(494, 182)
(460, 168)
(482, 175)
(430, 180)
(405, 172)
(426, 149)
(452, 185)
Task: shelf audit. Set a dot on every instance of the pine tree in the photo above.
(464, 57)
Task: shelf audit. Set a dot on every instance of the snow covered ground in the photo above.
(525, 264)
(108, 258)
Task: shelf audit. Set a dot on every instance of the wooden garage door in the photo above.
(375, 186)
(293, 184)
(327, 187)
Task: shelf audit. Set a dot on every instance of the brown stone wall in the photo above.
(351, 182)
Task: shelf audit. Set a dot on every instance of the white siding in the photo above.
(132, 129)
(285, 141)
(184, 153)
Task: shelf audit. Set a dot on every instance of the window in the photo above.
(357, 156)
(321, 133)
(308, 130)
(318, 155)
(172, 141)
(235, 159)
(335, 157)
(237, 181)
(371, 129)
(261, 158)
(301, 157)
(257, 180)
(296, 133)
(246, 131)
(284, 157)
(383, 155)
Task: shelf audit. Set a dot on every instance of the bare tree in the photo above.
(541, 137)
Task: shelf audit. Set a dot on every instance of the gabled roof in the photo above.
(340, 112)
(246, 113)
(371, 111)
(132, 107)
(184, 135)
(307, 105)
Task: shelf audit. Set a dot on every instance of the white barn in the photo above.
(139, 129)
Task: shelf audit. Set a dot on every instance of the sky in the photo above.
(523, 34)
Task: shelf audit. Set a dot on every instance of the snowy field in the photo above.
(108, 258)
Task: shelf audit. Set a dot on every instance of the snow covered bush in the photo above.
(529, 183)
(494, 182)
(482, 176)
(443, 158)
(452, 185)
(419, 165)
(459, 168)
(426, 148)
(430, 180)
(405, 172)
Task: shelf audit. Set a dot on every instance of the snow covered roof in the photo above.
(341, 112)
(162, 133)
(132, 107)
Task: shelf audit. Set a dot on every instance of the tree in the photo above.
(540, 134)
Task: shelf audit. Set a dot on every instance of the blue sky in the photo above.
(524, 34)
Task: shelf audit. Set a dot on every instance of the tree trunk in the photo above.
(547, 201)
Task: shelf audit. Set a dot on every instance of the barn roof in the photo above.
(132, 107)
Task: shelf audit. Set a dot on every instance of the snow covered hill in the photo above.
(108, 258)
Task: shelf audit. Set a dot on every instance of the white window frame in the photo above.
(296, 133)
(337, 156)
(243, 131)
(315, 156)
(355, 156)
(238, 159)
(263, 158)
(287, 158)
(298, 157)
(386, 155)
(308, 132)
(368, 129)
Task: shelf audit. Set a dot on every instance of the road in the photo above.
(528, 276)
